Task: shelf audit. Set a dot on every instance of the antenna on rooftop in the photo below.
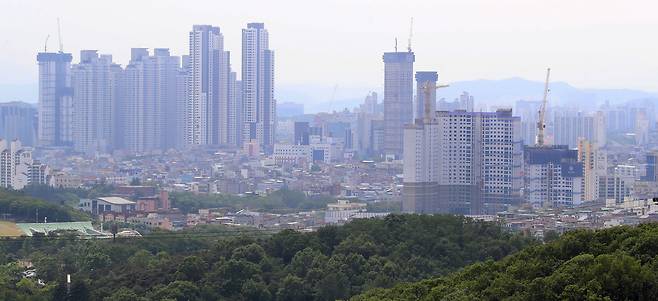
(45, 44)
(411, 34)
(59, 36)
(396, 44)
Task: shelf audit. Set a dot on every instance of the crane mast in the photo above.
(427, 92)
(541, 124)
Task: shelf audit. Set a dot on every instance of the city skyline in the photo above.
(450, 36)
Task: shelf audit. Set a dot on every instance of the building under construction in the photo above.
(463, 163)
(553, 176)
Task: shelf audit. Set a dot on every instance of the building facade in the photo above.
(258, 104)
(463, 163)
(96, 83)
(208, 87)
(55, 99)
(17, 167)
(18, 120)
(148, 108)
(398, 99)
(553, 176)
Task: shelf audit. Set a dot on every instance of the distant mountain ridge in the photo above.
(508, 91)
(504, 92)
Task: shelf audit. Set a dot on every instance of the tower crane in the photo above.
(541, 123)
(427, 92)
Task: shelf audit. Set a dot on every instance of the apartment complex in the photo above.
(463, 163)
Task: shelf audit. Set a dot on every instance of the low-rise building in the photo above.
(342, 211)
(107, 204)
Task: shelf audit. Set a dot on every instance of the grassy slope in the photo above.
(8, 228)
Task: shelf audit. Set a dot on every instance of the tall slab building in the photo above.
(148, 108)
(208, 83)
(96, 83)
(259, 106)
(18, 120)
(398, 99)
(55, 99)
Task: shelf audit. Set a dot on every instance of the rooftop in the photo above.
(116, 200)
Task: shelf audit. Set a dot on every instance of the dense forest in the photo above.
(282, 201)
(213, 263)
(620, 263)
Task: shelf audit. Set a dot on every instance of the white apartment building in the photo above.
(147, 111)
(292, 154)
(95, 81)
(463, 163)
(303, 154)
(17, 168)
(258, 104)
(207, 87)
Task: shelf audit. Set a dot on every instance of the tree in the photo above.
(230, 276)
(192, 269)
(177, 290)
(124, 294)
(305, 260)
(551, 235)
(333, 286)
(79, 291)
(252, 252)
(292, 289)
(255, 291)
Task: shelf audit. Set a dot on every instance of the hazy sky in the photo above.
(597, 44)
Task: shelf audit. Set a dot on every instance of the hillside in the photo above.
(613, 264)
(21, 207)
(216, 263)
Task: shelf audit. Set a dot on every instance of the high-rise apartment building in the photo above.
(55, 99)
(553, 176)
(594, 168)
(301, 133)
(179, 132)
(398, 99)
(17, 168)
(465, 102)
(148, 108)
(259, 106)
(529, 113)
(462, 163)
(208, 87)
(569, 127)
(18, 120)
(650, 170)
(96, 83)
(618, 183)
(234, 111)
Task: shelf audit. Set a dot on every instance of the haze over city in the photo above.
(328, 150)
(320, 45)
